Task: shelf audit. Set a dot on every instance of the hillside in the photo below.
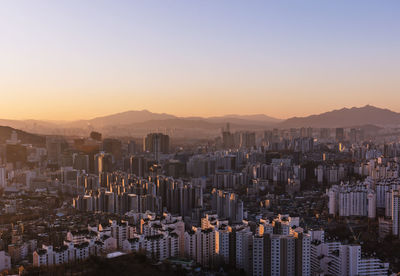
(25, 137)
(346, 117)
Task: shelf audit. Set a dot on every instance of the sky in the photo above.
(78, 59)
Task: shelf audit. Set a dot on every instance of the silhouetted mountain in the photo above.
(135, 122)
(132, 117)
(141, 122)
(138, 123)
(25, 137)
(346, 117)
(29, 125)
(250, 118)
(124, 118)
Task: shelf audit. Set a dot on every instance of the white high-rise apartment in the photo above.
(334, 258)
(201, 245)
(3, 182)
(395, 212)
(259, 266)
(5, 261)
(275, 254)
(352, 200)
(224, 233)
(244, 251)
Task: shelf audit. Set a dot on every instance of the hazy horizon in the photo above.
(191, 115)
(70, 60)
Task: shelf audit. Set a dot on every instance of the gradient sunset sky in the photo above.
(75, 59)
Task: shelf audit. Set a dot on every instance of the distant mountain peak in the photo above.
(140, 122)
(347, 117)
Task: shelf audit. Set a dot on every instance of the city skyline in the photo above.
(184, 137)
(64, 61)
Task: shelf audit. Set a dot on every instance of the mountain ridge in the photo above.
(346, 117)
(142, 121)
(23, 136)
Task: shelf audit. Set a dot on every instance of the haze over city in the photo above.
(200, 138)
(68, 60)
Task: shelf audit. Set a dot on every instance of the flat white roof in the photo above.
(115, 254)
